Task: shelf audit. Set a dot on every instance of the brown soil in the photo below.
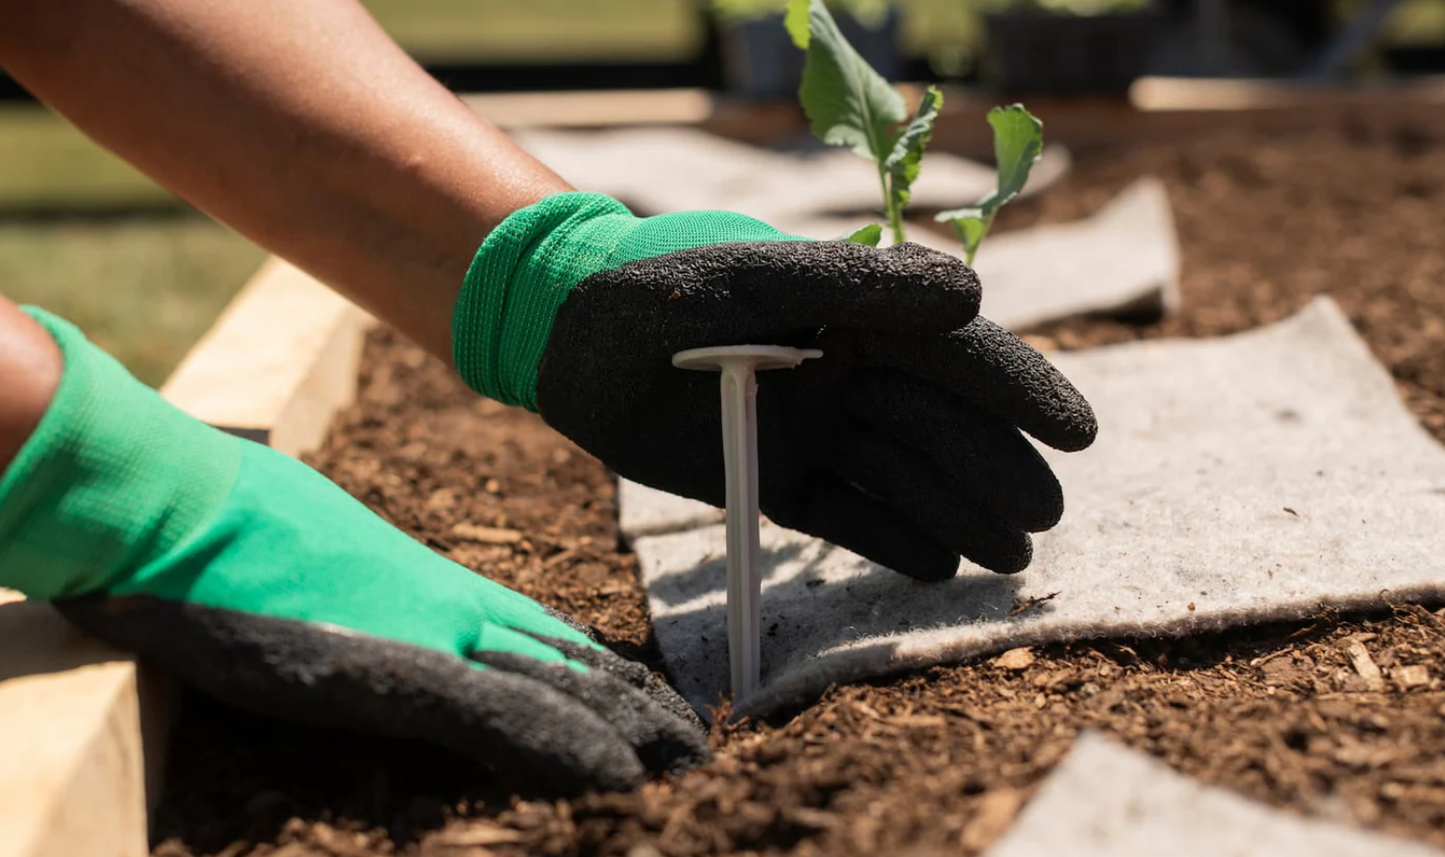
(1266, 223)
(937, 762)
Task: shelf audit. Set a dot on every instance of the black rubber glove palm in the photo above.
(902, 443)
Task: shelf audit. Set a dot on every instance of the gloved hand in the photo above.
(901, 443)
(258, 581)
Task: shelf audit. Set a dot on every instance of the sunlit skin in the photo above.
(302, 126)
(30, 367)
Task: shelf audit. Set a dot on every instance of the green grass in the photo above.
(144, 291)
(1417, 22)
(46, 162)
(635, 30)
(542, 30)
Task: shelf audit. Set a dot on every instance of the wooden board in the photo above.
(81, 740)
(594, 109)
(277, 364)
(1156, 109)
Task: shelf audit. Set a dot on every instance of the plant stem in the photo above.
(890, 205)
(973, 250)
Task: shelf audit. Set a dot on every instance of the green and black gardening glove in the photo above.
(256, 580)
(901, 443)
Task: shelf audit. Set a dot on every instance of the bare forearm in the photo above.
(30, 368)
(299, 124)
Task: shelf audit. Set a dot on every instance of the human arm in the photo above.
(302, 125)
(30, 368)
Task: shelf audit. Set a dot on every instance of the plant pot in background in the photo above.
(1031, 52)
(760, 61)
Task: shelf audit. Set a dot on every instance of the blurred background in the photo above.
(90, 238)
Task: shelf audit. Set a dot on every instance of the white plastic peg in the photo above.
(738, 363)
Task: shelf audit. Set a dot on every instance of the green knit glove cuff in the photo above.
(518, 280)
(112, 476)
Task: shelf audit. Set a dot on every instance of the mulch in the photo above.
(938, 761)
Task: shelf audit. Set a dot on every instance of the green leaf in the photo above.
(970, 229)
(846, 101)
(869, 235)
(1018, 143)
(796, 20)
(904, 161)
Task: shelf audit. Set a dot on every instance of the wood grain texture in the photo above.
(82, 728)
(277, 364)
(72, 757)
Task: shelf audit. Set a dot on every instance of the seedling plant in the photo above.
(848, 103)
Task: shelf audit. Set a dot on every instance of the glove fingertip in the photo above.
(634, 674)
(850, 519)
(1009, 377)
(947, 292)
(1073, 426)
(574, 624)
(1014, 558)
(932, 570)
(663, 743)
(903, 288)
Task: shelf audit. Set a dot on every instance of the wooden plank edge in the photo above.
(83, 728)
(1171, 110)
(278, 364)
(591, 109)
(1154, 110)
(82, 739)
(1179, 94)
